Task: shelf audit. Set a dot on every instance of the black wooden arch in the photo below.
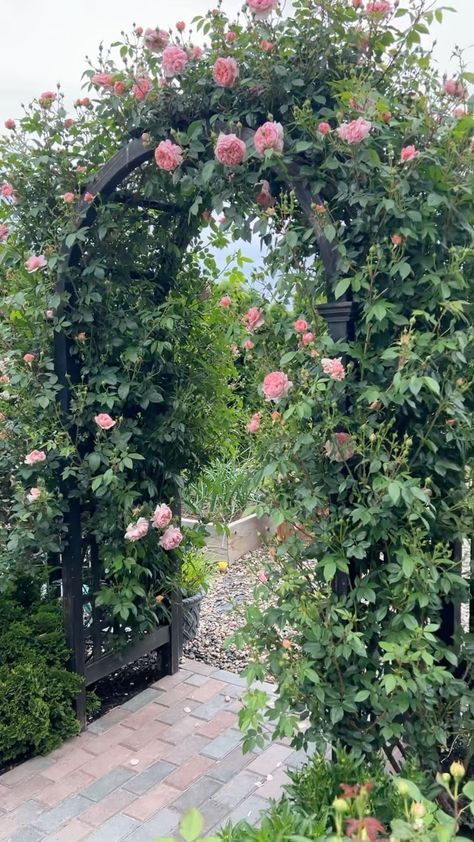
(166, 638)
(340, 316)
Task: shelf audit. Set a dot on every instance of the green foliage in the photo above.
(361, 807)
(196, 572)
(36, 689)
(222, 490)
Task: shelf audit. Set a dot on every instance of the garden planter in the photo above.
(242, 536)
(191, 615)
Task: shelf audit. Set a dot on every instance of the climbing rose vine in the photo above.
(329, 136)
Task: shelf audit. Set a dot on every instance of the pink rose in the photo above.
(301, 325)
(88, 197)
(174, 61)
(355, 131)
(171, 538)
(342, 450)
(225, 301)
(168, 155)
(181, 26)
(68, 198)
(408, 153)
(230, 150)
(378, 8)
(264, 198)
(324, 128)
(141, 87)
(262, 9)
(162, 516)
(225, 72)
(248, 345)
(28, 358)
(102, 80)
(7, 190)
(81, 337)
(119, 88)
(138, 30)
(47, 98)
(357, 3)
(9, 124)
(262, 577)
(460, 111)
(49, 314)
(4, 232)
(269, 136)
(266, 46)
(33, 494)
(450, 87)
(253, 425)
(195, 53)
(68, 123)
(35, 457)
(156, 39)
(276, 385)
(35, 262)
(334, 368)
(137, 530)
(104, 421)
(253, 319)
(396, 239)
(307, 338)
(230, 36)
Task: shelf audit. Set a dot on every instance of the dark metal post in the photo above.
(340, 318)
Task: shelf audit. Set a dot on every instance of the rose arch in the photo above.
(345, 161)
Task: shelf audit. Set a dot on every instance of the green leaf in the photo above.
(192, 825)
(468, 790)
(390, 682)
(329, 232)
(408, 565)
(394, 492)
(362, 695)
(207, 171)
(341, 287)
(432, 384)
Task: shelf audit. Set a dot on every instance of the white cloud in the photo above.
(45, 41)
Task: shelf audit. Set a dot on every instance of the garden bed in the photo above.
(241, 536)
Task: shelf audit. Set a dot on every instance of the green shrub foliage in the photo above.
(36, 689)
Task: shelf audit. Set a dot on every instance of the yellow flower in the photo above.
(222, 566)
(457, 770)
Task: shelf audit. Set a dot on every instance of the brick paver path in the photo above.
(132, 774)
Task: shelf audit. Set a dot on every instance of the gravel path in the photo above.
(220, 615)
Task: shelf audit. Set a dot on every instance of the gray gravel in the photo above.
(221, 614)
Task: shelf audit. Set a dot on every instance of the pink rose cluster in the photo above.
(262, 9)
(225, 72)
(276, 385)
(174, 60)
(356, 131)
(230, 150)
(455, 89)
(342, 449)
(334, 368)
(155, 39)
(168, 155)
(269, 136)
(253, 319)
(6, 190)
(253, 425)
(161, 519)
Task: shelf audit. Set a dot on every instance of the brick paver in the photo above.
(133, 773)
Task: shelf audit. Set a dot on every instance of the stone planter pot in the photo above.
(244, 535)
(191, 615)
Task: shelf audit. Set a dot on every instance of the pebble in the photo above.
(221, 614)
